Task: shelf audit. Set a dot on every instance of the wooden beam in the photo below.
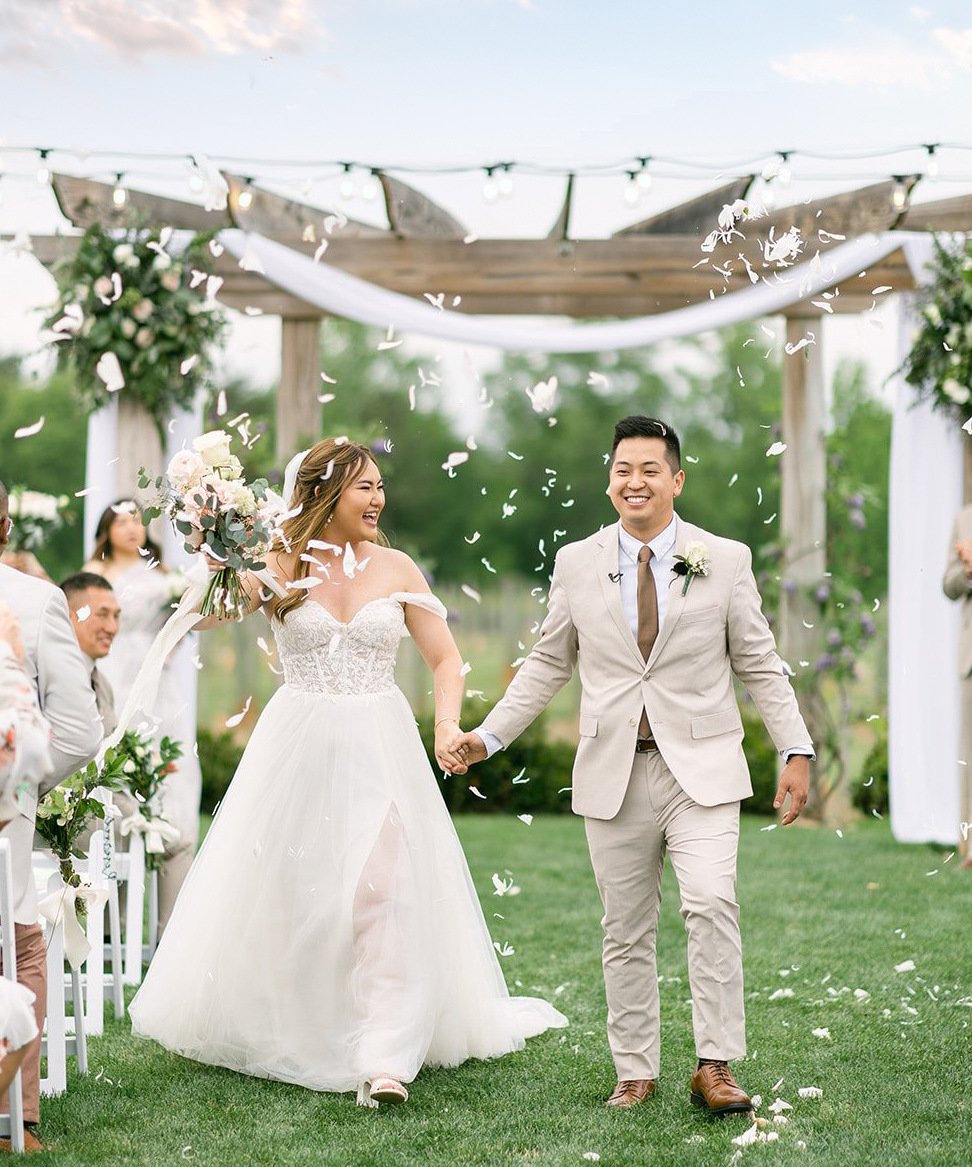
(698, 216)
(287, 220)
(953, 214)
(298, 410)
(414, 215)
(84, 201)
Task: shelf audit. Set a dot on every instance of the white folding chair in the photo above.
(99, 874)
(64, 1036)
(12, 1124)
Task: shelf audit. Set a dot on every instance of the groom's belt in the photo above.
(644, 744)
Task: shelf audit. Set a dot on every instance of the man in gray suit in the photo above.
(55, 665)
(958, 586)
(658, 615)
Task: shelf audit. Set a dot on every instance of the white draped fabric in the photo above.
(923, 687)
(345, 295)
(925, 475)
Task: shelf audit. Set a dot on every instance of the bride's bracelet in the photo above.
(442, 719)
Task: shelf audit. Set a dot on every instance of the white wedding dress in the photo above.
(329, 931)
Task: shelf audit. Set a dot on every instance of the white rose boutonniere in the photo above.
(695, 561)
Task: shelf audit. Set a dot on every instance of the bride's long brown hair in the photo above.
(327, 470)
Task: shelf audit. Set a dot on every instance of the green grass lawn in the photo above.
(825, 919)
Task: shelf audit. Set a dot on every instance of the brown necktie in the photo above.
(105, 700)
(647, 618)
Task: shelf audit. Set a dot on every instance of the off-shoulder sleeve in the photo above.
(424, 600)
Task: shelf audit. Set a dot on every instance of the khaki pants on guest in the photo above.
(628, 855)
(32, 974)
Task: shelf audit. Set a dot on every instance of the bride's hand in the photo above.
(448, 740)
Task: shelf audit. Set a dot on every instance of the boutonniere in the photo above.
(694, 562)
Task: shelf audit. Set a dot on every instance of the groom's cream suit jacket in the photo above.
(712, 630)
(55, 665)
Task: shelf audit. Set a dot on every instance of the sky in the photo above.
(703, 89)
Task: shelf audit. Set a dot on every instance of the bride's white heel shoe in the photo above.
(387, 1090)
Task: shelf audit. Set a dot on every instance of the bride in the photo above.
(329, 933)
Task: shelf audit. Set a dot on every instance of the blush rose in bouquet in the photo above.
(205, 496)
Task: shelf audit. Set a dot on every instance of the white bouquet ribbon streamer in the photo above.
(145, 688)
(62, 905)
(157, 832)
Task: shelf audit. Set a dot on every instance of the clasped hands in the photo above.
(456, 751)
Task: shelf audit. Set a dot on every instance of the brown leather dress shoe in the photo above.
(714, 1087)
(31, 1143)
(630, 1093)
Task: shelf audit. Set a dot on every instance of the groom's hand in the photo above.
(795, 782)
(460, 751)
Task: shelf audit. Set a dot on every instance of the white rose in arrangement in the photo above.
(124, 255)
(144, 337)
(171, 281)
(143, 310)
(103, 287)
(185, 469)
(960, 394)
(31, 504)
(234, 495)
(162, 262)
(128, 328)
(932, 314)
(214, 448)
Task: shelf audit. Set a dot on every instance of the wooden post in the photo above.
(138, 445)
(803, 511)
(298, 410)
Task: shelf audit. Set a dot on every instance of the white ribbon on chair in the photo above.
(62, 905)
(157, 832)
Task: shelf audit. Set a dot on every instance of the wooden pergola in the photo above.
(653, 266)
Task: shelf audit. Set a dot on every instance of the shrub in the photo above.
(871, 789)
(219, 755)
(764, 761)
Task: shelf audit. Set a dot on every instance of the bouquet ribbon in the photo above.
(144, 690)
(157, 832)
(62, 905)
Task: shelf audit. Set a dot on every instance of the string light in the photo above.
(346, 186)
(245, 197)
(490, 187)
(931, 167)
(783, 175)
(505, 183)
(119, 196)
(899, 193)
(643, 178)
(369, 188)
(43, 171)
(632, 191)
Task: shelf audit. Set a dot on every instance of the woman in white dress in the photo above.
(329, 933)
(132, 563)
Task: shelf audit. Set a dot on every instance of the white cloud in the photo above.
(882, 60)
(957, 42)
(918, 13)
(135, 29)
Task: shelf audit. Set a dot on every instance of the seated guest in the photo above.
(95, 614)
(56, 670)
(24, 759)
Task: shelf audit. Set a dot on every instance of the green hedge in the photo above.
(531, 776)
(874, 795)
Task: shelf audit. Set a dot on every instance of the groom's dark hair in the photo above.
(639, 426)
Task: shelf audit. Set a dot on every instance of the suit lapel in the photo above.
(676, 600)
(606, 564)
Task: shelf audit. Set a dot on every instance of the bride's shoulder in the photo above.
(402, 570)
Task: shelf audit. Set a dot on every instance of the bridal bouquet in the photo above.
(209, 503)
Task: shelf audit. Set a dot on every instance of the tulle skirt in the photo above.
(329, 931)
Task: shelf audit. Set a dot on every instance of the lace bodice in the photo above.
(321, 654)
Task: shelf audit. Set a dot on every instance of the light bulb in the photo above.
(643, 179)
(369, 189)
(346, 188)
(932, 168)
(632, 191)
(119, 196)
(245, 200)
(490, 189)
(195, 183)
(899, 195)
(505, 184)
(43, 175)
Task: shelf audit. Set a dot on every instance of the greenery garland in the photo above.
(123, 298)
(940, 362)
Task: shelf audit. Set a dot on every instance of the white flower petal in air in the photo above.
(525, 818)
(542, 395)
(109, 371)
(776, 448)
(471, 593)
(232, 722)
(28, 431)
(778, 1105)
(905, 966)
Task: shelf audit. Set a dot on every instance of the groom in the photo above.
(658, 615)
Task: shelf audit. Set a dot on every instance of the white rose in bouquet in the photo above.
(214, 448)
(186, 469)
